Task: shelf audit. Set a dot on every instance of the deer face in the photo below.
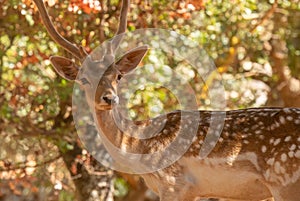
(106, 89)
(105, 86)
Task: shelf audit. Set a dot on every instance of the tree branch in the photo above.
(22, 166)
(266, 16)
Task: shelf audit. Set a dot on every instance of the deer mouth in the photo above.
(103, 106)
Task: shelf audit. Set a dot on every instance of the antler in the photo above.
(67, 45)
(123, 17)
(122, 24)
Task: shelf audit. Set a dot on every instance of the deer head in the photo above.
(112, 70)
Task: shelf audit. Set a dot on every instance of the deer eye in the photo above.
(84, 81)
(119, 77)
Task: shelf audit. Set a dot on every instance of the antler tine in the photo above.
(123, 17)
(122, 23)
(54, 34)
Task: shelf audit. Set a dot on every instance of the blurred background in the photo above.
(255, 46)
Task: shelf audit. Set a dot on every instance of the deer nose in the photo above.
(111, 99)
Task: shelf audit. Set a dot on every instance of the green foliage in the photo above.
(121, 187)
(65, 196)
(64, 146)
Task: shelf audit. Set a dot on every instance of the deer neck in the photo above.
(134, 136)
(112, 131)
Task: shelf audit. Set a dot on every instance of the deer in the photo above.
(256, 157)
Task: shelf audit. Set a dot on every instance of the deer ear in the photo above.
(65, 67)
(131, 59)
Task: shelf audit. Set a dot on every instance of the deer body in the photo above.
(257, 155)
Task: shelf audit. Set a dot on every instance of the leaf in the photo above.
(121, 187)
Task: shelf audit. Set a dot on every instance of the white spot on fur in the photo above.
(258, 132)
(171, 189)
(277, 141)
(271, 161)
(264, 149)
(283, 157)
(171, 180)
(267, 174)
(277, 167)
(288, 138)
(282, 119)
(291, 154)
(292, 147)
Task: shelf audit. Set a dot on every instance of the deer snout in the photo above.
(111, 99)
